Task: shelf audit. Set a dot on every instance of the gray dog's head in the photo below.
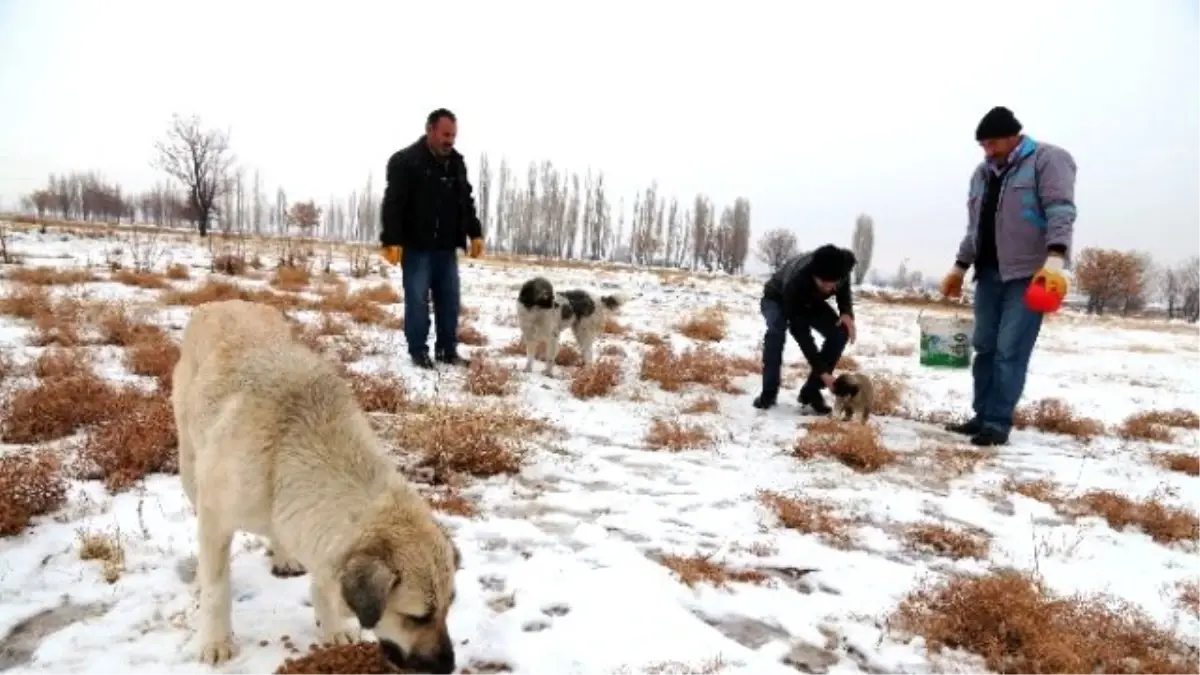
(537, 292)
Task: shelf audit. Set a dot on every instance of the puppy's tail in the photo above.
(185, 568)
(613, 302)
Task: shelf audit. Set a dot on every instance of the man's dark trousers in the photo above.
(428, 272)
(1005, 334)
(821, 318)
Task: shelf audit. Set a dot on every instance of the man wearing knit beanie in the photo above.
(795, 300)
(1020, 224)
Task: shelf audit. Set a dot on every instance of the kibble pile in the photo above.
(363, 657)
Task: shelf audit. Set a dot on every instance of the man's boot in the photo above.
(812, 402)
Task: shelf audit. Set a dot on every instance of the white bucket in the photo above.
(946, 340)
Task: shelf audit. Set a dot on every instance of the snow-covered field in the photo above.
(562, 568)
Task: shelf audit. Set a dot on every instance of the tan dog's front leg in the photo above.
(282, 562)
(334, 618)
(216, 603)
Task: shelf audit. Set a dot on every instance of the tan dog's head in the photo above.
(399, 581)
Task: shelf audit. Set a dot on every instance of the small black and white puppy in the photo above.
(853, 393)
(544, 314)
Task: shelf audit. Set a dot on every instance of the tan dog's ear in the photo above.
(366, 582)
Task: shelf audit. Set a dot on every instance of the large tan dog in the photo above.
(273, 442)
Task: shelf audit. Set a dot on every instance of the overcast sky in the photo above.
(814, 111)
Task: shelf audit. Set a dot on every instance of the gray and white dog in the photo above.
(544, 314)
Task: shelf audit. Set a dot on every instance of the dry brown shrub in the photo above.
(855, 445)
(178, 271)
(597, 379)
(118, 326)
(1055, 416)
(485, 378)
(951, 543)
(228, 263)
(1156, 425)
(1183, 462)
(291, 278)
(959, 460)
(568, 356)
(31, 484)
(651, 339)
(449, 500)
(25, 302)
(1165, 524)
(676, 437)
(612, 350)
(698, 365)
(211, 290)
(1189, 596)
(155, 356)
(360, 657)
(611, 327)
(57, 407)
(476, 440)
(1016, 626)
(359, 307)
(693, 570)
(106, 548)
(468, 334)
(148, 280)
(702, 405)
(385, 393)
(708, 325)
(889, 394)
(61, 362)
(1041, 490)
(59, 324)
(809, 516)
(847, 363)
(136, 439)
(386, 294)
(51, 276)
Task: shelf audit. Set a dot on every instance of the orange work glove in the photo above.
(952, 283)
(1051, 276)
(391, 254)
(476, 249)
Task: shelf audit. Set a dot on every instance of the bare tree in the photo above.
(862, 243)
(199, 159)
(484, 191)
(776, 246)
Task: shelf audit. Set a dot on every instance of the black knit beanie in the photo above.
(999, 122)
(830, 263)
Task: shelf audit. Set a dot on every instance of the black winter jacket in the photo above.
(427, 204)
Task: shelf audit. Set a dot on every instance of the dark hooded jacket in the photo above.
(794, 287)
(427, 204)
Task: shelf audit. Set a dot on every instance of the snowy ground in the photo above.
(559, 572)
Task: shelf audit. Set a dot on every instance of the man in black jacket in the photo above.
(428, 213)
(795, 299)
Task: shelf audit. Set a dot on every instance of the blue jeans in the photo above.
(428, 273)
(1005, 333)
(822, 319)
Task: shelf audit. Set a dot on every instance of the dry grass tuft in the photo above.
(476, 440)
(651, 339)
(107, 549)
(889, 394)
(136, 439)
(31, 484)
(597, 379)
(1016, 626)
(1183, 462)
(1040, 490)
(485, 378)
(1156, 425)
(51, 276)
(385, 294)
(291, 278)
(702, 405)
(118, 325)
(1165, 524)
(155, 356)
(228, 263)
(676, 437)
(25, 302)
(809, 516)
(60, 325)
(848, 363)
(211, 290)
(147, 280)
(451, 502)
(699, 365)
(1055, 416)
(61, 362)
(942, 540)
(57, 407)
(360, 657)
(568, 356)
(693, 570)
(1189, 596)
(855, 445)
(178, 272)
(611, 327)
(708, 325)
(379, 393)
(468, 334)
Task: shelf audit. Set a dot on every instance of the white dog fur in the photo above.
(544, 314)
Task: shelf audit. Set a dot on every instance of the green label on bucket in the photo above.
(953, 351)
